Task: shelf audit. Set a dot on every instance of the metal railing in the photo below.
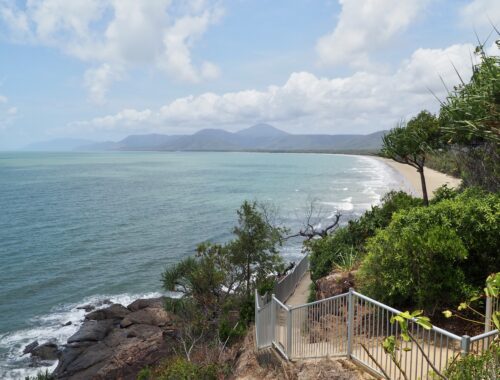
(492, 306)
(355, 326)
(285, 287)
(267, 308)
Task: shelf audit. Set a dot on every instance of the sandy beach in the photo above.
(433, 178)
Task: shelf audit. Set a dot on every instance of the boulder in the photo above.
(30, 347)
(115, 312)
(149, 316)
(92, 331)
(69, 323)
(46, 351)
(333, 284)
(87, 308)
(143, 303)
(142, 331)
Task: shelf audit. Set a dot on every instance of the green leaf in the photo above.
(405, 337)
(447, 314)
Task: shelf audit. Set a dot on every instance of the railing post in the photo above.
(273, 318)
(350, 321)
(487, 320)
(256, 319)
(465, 345)
(289, 334)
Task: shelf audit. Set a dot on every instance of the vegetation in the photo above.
(217, 286)
(348, 243)
(411, 143)
(41, 376)
(484, 365)
(433, 256)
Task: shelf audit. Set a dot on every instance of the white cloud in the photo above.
(363, 27)
(7, 112)
(362, 102)
(97, 81)
(114, 35)
(479, 13)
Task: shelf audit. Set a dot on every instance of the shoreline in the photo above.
(433, 178)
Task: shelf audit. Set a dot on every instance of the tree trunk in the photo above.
(424, 186)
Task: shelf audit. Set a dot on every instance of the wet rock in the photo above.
(69, 323)
(115, 312)
(46, 351)
(30, 347)
(92, 331)
(149, 316)
(143, 303)
(87, 308)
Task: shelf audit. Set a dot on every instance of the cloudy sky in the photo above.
(103, 69)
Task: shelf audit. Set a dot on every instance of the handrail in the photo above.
(319, 301)
(483, 335)
(281, 303)
(395, 311)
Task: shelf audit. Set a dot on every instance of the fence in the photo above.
(270, 311)
(492, 306)
(354, 325)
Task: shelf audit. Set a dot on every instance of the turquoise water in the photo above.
(77, 228)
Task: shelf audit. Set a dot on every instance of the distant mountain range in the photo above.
(260, 137)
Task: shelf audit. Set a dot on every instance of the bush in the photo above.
(349, 241)
(434, 255)
(485, 366)
(413, 265)
(180, 369)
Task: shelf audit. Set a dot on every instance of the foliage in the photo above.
(433, 255)
(443, 193)
(254, 251)
(312, 292)
(327, 252)
(411, 143)
(444, 161)
(413, 264)
(180, 369)
(485, 366)
(470, 119)
(492, 290)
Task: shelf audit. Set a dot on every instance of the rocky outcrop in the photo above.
(114, 312)
(46, 351)
(333, 284)
(117, 342)
(143, 303)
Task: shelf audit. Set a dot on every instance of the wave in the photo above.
(51, 328)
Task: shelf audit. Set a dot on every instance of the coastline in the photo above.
(433, 178)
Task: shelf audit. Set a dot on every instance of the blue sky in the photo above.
(104, 69)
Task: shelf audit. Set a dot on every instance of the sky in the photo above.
(105, 69)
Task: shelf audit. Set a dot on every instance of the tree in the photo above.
(255, 249)
(409, 144)
(470, 119)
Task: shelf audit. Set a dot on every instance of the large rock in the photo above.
(30, 347)
(92, 331)
(46, 351)
(149, 316)
(143, 303)
(334, 284)
(115, 312)
(118, 356)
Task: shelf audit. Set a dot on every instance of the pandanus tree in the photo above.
(410, 143)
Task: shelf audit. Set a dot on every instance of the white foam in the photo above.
(49, 327)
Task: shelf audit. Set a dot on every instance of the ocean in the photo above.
(78, 228)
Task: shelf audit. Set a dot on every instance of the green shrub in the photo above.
(434, 255)
(472, 367)
(350, 239)
(180, 369)
(443, 193)
(413, 265)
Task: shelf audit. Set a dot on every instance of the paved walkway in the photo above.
(301, 292)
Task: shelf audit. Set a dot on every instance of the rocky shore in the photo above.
(114, 342)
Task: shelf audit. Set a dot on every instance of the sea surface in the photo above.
(78, 228)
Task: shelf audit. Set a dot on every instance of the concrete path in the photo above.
(301, 293)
